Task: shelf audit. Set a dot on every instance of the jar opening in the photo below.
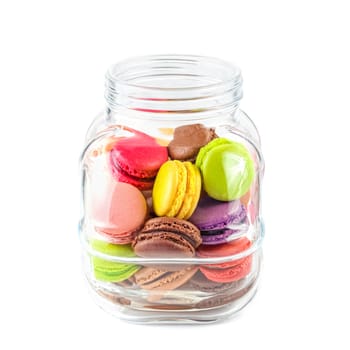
(173, 83)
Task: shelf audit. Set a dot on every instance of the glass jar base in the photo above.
(130, 311)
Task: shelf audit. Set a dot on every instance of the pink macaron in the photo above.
(118, 211)
(229, 271)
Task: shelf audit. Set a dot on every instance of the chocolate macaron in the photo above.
(167, 237)
(187, 141)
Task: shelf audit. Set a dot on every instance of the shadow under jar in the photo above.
(171, 176)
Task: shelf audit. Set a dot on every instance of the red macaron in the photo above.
(136, 159)
(228, 271)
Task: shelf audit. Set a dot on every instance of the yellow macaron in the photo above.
(176, 189)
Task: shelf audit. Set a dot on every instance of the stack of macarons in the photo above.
(183, 199)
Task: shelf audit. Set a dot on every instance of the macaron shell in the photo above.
(158, 279)
(111, 208)
(136, 159)
(139, 155)
(174, 225)
(227, 169)
(167, 237)
(193, 191)
(211, 214)
(221, 250)
(169, 188)
(230, 274)
(231, 248)
(207, 148)
(187, 141)
(163, 244)
(109, 271)
(227, 174)
(117, 238)
(112, 249)
(181, 189)
(201, 283)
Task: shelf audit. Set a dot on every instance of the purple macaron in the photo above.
(219, 222)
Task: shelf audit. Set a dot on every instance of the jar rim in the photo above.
(173, 83)
(117, 71)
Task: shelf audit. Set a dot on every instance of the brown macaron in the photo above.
(150, 278)
(167, 237)
(187, 141)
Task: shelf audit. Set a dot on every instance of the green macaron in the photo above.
(110, 271)
(227, 169)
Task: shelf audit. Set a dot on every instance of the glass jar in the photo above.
(171, 229)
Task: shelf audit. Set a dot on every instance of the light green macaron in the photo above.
(227, 169)
(110, 271)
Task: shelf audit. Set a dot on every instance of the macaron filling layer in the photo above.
(219, 236)
(213, 215)
(110, 271)
(231, 219)
(117, 170)
(136, 159)
(229, 274)
(158, 279)
(169, 237)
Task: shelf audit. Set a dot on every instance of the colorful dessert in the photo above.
(187, 141)
(218, 220)
(150, 278)
(227, 169)
(110, 271)
(137, 159)
(159, 206)
(201, 283)
(176, 189)
(111, 211)
(229, 271)
(218, 293)
(167, 237)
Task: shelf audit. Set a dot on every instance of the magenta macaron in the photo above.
(136, 159)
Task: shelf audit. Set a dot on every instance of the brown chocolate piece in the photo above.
(187, 141)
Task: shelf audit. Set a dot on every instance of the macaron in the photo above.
(110, 271)
(200, 283)
(220, 293)
(228, 271)
(176, 189)
(187, 141)
(227, 169)
(219, 222)
(136, 159)
(150, 278)
(167, 237)
(112, 205)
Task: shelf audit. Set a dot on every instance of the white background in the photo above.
(295, 60)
